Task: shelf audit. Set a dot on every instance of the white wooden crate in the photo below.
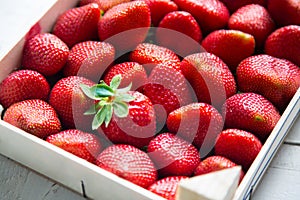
(83, 177)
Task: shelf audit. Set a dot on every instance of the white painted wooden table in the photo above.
(281, 180)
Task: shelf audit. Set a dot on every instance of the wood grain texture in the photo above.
(20, 183)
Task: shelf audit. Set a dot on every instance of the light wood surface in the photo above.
(281, 180)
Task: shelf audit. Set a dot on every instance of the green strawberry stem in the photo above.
(109, 100)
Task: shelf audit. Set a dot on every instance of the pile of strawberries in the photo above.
(156, 91)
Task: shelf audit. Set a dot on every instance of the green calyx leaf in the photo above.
(110, 100)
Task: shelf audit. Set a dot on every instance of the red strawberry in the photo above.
(84, 145)
(199, 123)
(285, 12)
(210, 14)
(275, 79)
(129, 163)
(34, 116)
(168, 88)
(167, 186)
(149, 55)
(123, 116)
(78, 24)
(231, 46)
(159, 8)
(104, 5)
(215, 163)
(239, 146)
(183, 22)
(131, 72)
(210, 77)
(132, 18)
(45, 53)
(255, 20)
(89, 59)
(173, 156)
(70, 102)
(285, 43)
(21, 85)
(233, 5)
(250, 112)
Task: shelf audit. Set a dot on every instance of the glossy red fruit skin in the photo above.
(104, 5)
(181, 22)
(70, 102)
(89, 59)
(285, 12)
(149, 55)
(239, 146)
(132, 18)
(34, 116)
(129, 163)
(45, 53)
(199, 123)
(255, 20)
(137, 129)
(21, 85)
(251, 112)
(168, 88)
(233, 5)
(285, 43)
(215, 163)
(232, 46)
(210, 78)
(84, 145)
(166, 187)
(159, 8)
(275, 79)
(173, 156)
(78, 24)
(131, 72)
(210, 14)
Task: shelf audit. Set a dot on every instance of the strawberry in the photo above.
(231, 46)
(250, 112)
(78, 24)
(183, 22)
(215, 163)
(285, 43)
(69, 101)
(34, 116)
(173, 156)
(210, 77)
(166, 187)
(255, 20)
(275, 79)
(149, 55)
(159, 8)
(199, 123)
(21, 85)
(45, 53)
(233, 5)
(168, 88)
(104, 5)
(84, 145)
(285, 12)
(131, 72)
(239, 146)
(123, 116)
(210, 14)
(128, 162)
(132, 18)
(89, 59)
